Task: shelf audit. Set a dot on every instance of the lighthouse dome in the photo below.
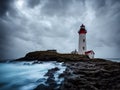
(82, 30)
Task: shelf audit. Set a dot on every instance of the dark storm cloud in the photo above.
(28, 25)
(5, 6)
(2, 38)
(33, 3)
(103, 7)
(55, 7)
(109, 11)
(62, 7)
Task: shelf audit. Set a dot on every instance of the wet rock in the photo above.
(52, 84)
(87, 75)
(61, 75)
(92, 75)
(41, 80)
(52, 71)
(51, 78)
(26, 64)
(43, 87)
(37, 62)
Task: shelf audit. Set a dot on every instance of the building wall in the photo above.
(82, 44)
(91, 55)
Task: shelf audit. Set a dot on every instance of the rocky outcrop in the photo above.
(81, 73)
(51, 83)
(52, 56)
(92, 75)
(95, 74)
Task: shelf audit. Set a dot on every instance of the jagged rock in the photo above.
(52, 85)
(52, 71)
(43, 87)
(92, 75)
(41, 80)
(61, 75)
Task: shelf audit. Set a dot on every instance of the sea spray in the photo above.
(26, 75)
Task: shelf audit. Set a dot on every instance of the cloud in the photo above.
(33, 3)
(5, 6)
(47, 24)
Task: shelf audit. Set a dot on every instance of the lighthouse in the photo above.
(82, 40)
(82, 48)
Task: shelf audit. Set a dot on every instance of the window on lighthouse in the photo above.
(83, 48)
(83, 40)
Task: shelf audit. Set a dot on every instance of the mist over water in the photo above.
(26, 76)
(113, 59)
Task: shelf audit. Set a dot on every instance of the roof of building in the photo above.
(87, 52)
(82, 30)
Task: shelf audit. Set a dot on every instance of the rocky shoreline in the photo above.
(51, 83)
(81, 72)
(86, 75)
(102, 75)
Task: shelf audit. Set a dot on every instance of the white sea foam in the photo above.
(26, 77)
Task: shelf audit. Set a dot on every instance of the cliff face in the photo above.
(52, 56)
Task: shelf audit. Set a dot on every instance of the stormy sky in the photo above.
(30, 25)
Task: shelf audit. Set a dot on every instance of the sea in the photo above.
(113, 59)
(26, 75)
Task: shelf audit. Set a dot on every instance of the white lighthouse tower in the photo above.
(82, 40)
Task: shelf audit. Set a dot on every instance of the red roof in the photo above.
(87, 52)
(82, 30)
